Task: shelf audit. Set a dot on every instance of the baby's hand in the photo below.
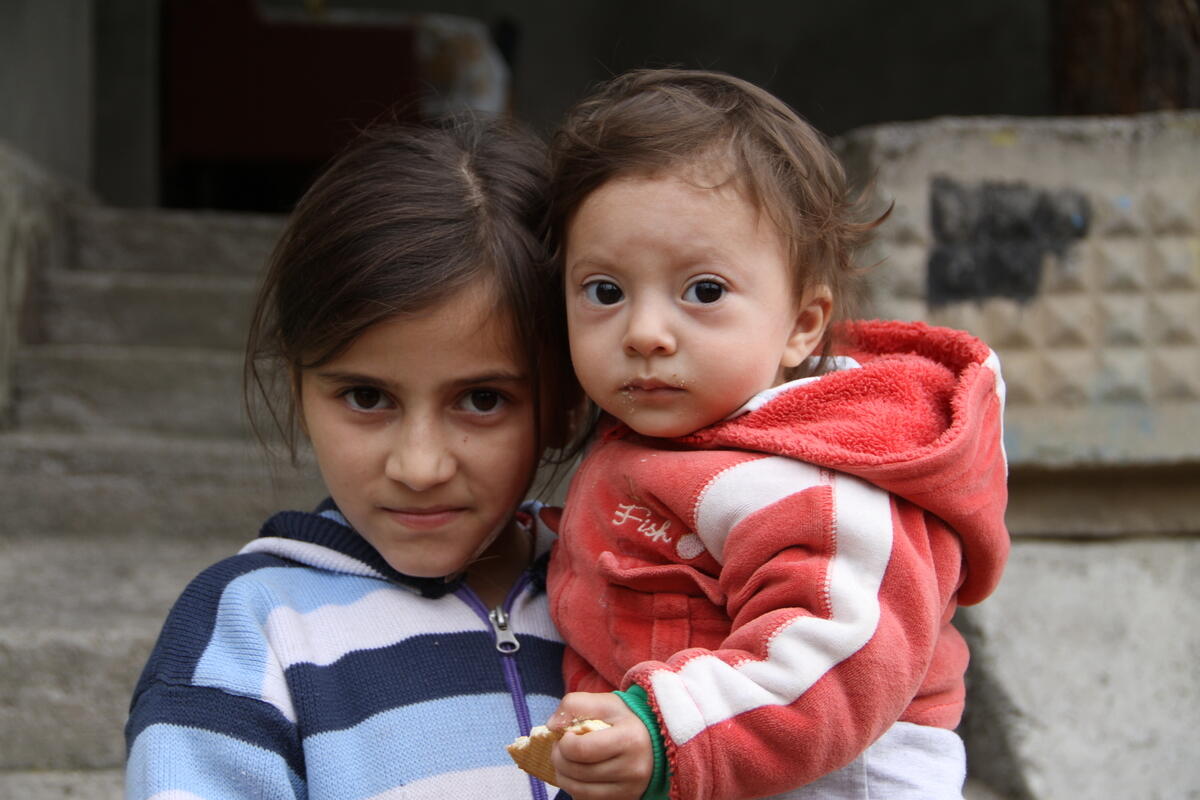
(611, 764)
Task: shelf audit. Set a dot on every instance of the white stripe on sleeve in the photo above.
(707, 690)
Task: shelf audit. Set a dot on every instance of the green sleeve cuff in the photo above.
(660, 780)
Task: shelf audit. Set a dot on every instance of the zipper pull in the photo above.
(506, 642)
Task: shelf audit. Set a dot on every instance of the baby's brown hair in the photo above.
(655, 120)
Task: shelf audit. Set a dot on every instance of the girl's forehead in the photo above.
(450, 347)
(470, 324)
(466, 326)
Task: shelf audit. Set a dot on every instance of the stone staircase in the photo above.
(129, 468)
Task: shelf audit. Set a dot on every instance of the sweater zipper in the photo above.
(499, 620)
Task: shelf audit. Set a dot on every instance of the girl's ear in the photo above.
(812, 318)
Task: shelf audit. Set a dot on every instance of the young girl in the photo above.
(390, 642)
(767, 540)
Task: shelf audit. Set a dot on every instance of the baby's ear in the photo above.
(812, 318)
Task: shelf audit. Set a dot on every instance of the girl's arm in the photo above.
(209, 744)
(211, 716)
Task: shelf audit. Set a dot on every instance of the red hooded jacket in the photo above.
(782, 583)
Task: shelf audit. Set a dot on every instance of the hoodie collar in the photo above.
(323, 538)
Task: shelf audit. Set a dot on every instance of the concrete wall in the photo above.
(33, 238)
(46, 103)
(125, 137)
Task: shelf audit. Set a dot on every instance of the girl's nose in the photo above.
(420, 457)
(649, 331)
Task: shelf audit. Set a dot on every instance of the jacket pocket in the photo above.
(655, 611)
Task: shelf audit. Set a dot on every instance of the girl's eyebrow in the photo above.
(499, 376)
(334, 376)
(482, 378)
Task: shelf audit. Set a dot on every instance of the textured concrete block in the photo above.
(1070, 245)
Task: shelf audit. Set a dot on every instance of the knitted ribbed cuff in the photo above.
(660, 780)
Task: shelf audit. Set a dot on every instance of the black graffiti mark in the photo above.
(990, 239)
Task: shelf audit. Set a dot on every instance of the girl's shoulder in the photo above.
(241, 571)
(259, 580)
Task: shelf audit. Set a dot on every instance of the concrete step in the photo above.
(156, 240)
(102, 483)
(98, 536)
(206, 311)
(79, 613)
(97, 388)
(129, 471)
(62, 785)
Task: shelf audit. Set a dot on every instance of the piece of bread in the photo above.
(532, 752)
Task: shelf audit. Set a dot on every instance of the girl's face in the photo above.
(425, 436)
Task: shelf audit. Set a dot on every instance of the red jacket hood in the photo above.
(922, 419)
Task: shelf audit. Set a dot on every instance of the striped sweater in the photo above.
(306, 667)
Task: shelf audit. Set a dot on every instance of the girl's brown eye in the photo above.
(364, 398)
(483, 401)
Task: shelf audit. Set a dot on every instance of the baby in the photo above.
(778, 515)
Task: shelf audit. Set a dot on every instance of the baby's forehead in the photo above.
(714, 168)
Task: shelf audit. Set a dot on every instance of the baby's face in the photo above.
(680, 302)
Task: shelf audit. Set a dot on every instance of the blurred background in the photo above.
(144, 100)
(1043, 158)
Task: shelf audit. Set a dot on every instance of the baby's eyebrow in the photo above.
(588, 261)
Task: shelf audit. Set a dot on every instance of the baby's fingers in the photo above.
(592, 748)
(586, 705)
(610, 779)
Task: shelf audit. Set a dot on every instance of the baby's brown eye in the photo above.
(704, 292)
(603, 292)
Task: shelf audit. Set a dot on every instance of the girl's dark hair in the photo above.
(655, 120)
(403, 219)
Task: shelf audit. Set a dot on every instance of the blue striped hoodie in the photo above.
(306, 667)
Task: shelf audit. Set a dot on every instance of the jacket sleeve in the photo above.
(204, 743)
(210, 717)
(836, 602)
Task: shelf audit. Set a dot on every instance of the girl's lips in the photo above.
(425, 518)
